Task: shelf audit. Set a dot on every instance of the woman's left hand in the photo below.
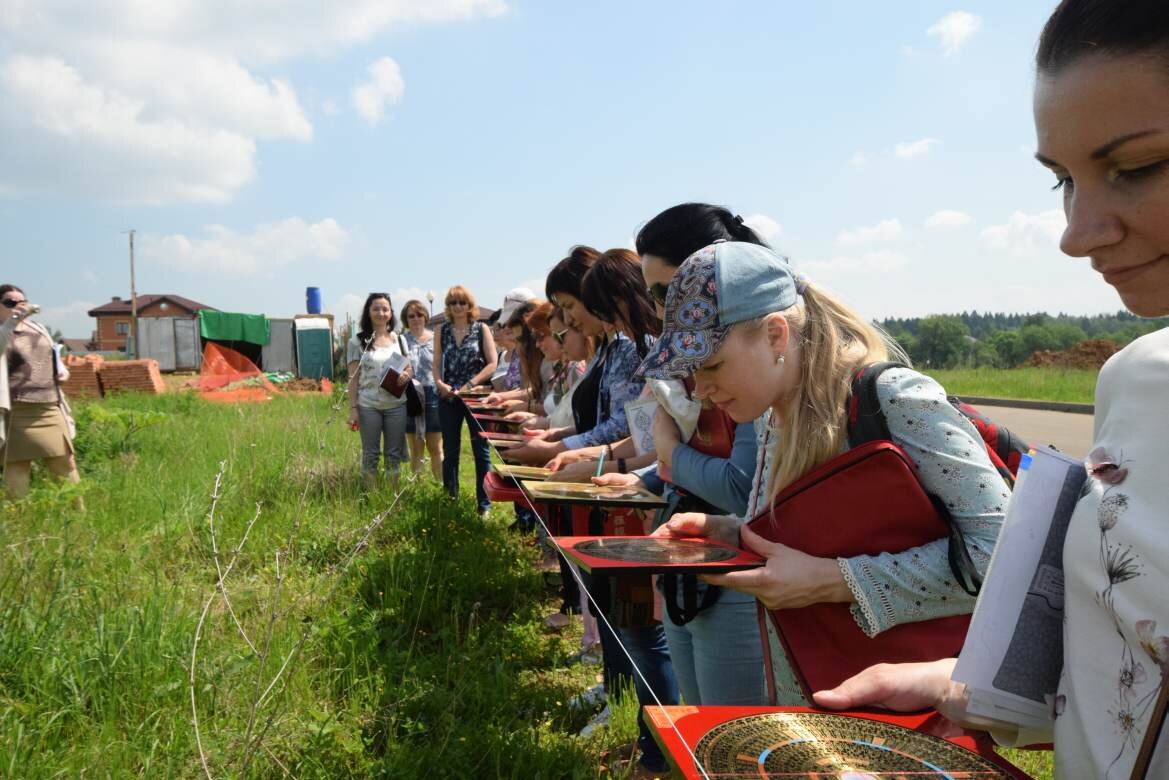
(666, 436)
(566, 458)
(789, 580)
(535, 452)
(581, 471)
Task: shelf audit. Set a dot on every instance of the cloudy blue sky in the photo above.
(260, 146)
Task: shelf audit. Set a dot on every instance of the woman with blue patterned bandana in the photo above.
(753, 338)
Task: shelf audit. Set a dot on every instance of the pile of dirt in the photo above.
(1087, 354)
(302, 386)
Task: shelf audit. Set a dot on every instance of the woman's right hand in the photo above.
(444, 390)
(719, 527)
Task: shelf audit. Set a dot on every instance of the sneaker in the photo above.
(557, 621)
(589, 699)
(590, 656)
(601, 721)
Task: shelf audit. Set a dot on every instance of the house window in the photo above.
(122, 328)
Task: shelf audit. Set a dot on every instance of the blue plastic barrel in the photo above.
(312, 300)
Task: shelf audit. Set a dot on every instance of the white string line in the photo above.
(597, 611)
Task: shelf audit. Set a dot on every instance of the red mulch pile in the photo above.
(1087, 354)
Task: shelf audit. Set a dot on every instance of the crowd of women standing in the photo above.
(704, 313)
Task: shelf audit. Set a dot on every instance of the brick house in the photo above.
(113, 318)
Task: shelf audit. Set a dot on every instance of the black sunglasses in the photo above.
(11, 303)
(658, 292)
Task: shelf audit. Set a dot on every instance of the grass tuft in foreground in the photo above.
(419, 654)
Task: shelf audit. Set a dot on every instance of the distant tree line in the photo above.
(974, 339)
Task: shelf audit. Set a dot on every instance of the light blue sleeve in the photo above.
(721, 482)
(917, 584)
(353, 350)
(619, 380)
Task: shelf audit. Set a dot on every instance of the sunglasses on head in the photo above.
(658, 292)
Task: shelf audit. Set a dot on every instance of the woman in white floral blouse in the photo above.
(1102, 120)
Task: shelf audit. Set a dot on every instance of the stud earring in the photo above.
(779, 360)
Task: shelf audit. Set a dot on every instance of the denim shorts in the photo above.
(431, 411)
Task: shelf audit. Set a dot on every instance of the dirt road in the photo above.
(1070, 433)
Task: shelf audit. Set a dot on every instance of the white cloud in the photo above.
(764, 226)
(66, 135)
(953, 30)
(918, 148)
(385, 87)
(269, 247)
(831, 271)
(89, 277)
(884, 231)
(1023, 232)
(859, 158)
(948, 218)
(136, 102)
(69, 318)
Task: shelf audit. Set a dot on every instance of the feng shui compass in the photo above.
(759, 742)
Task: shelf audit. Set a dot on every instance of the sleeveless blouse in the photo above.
(460, 363)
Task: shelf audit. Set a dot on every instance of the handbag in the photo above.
(714, 436)
(865, 501)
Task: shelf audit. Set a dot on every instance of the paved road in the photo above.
(1070, 433)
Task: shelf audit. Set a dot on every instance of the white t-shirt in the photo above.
(1116, 568)
(371, 368)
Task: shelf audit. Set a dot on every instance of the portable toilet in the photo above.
(314, 348)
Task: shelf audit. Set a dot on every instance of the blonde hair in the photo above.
(835, 341)
(460, 292)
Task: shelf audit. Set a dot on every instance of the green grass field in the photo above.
(419, 654)
(1037, 384)
(423, 655)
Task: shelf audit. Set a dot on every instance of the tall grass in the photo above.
(424, 657)
(1069, 385)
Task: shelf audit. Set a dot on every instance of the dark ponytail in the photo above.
(682, 230)
(1116, 28)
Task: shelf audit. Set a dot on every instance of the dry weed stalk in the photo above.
(203, 618)
(373, 525)
(253, 741)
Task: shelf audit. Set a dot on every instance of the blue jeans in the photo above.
(648, 648)
(451, 413)
(718, 656)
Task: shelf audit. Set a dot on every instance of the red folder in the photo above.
(863, 502)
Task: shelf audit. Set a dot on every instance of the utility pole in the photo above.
(133, 302)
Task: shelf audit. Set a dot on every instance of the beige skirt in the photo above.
(36, 431)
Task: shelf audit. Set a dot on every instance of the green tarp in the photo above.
(226, 326)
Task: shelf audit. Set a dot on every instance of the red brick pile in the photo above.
(141, 376)
(84, 376)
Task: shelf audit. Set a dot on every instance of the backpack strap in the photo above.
(681, 615)
(866, 423)
(866, 419)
